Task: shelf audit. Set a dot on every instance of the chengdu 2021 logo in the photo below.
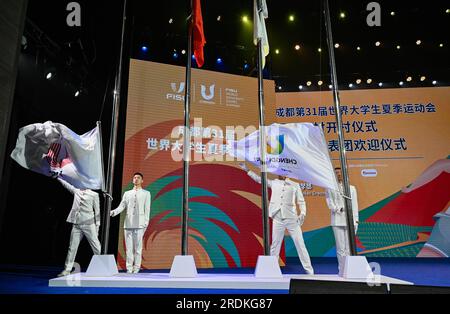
(275, 145)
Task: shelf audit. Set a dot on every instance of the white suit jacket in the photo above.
(285, 195)
(85, 207)
(137, 204)
(335, 202)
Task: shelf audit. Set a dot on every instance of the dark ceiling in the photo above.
(231, 40)
(89, 53)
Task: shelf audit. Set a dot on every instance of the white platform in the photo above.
(183, 266)
(202, 281)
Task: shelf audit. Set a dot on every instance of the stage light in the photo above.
(336, 45)
(398, 47)
(447, 11)
(441, 45)
(175, 55)
(358, 48)
(392, 13)
(401, 83)
(358, 81)
(144, 48)
(246, 66)
(330, 86)
(350, 85)
(219, 18)
(291, 18)
(49, 75)
(245, 19)
(342, 15)
(300, 87)
(277, 51)
(219, 60)
(77, 93)
(409, 79)
(378, 44)
(183, 52)
(418, 42)
(320, 83)
(193, 57)
(423, 78)
(434, 82)
(297, 47)
(319, 49)
(171, 21)
(308, 83)
(369, 81)
(280, 88)
(380, 84)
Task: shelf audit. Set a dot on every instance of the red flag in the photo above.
(199, 35)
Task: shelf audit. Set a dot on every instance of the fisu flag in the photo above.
(295, 150)
(52, 148)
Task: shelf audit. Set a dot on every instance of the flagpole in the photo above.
(262, 141)
(342, 152)
(113, 139)
(187, 137)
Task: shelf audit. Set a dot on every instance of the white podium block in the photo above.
(268, 267)
(183, 266)
(356, 267)
(102, 266)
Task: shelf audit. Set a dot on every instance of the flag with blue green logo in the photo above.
(294, 150)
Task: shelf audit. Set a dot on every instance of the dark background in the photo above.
(34, 208)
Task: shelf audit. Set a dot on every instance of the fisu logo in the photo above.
(211, 92)
(174, 87)
(178, 96)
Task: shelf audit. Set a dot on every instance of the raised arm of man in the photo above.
(253, 175)
(67, 185)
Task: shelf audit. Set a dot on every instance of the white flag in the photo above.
(51, 148)
(259, 27)
(294, 150)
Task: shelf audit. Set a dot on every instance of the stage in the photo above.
(16, 279)
(204, 281)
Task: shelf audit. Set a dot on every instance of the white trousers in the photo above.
(342, 247)
(293, 227)
(77, 234)
(133, 243)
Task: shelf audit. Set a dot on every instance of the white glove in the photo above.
(301, 219)
(112, 213)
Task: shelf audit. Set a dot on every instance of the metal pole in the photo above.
(342, 157)
(187, 140)
(113, 139)
(262, 146)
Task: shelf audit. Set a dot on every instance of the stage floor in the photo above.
(202, 281)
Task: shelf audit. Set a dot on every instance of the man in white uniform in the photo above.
(335, 202)
(137, 203)
(85, 217)
(286, 194)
